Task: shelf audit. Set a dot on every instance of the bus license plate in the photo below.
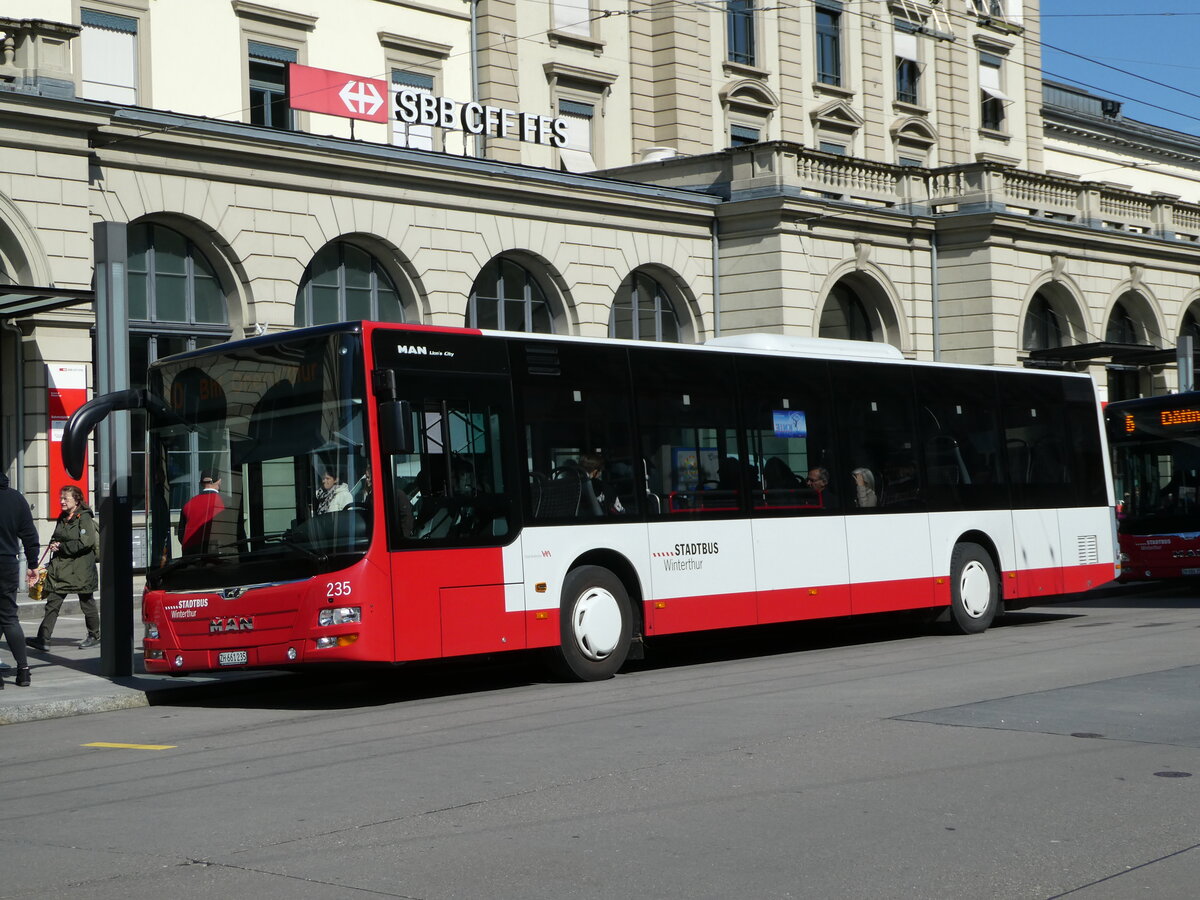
(232, 658)
(1191, 571)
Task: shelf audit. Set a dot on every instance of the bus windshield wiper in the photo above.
(281, 537)
(201, 558)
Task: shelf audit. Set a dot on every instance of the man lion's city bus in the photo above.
(503, 491)
(1156, 460)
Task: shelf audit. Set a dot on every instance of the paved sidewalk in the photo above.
(67, 681)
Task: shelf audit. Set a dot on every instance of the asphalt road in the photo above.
(1053, 756)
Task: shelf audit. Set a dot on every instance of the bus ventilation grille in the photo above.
(1089, 550)
(542, 360)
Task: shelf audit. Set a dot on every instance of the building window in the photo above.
(416, 137)
(992, 97)
(993, 9)
(170, 280)
(577, 156)
(739, 27)
(829, 46)
(1044, 327)
(1122, 328)
(344, 283)
(1191, 327)
(908, 67)
(268, 85)
(176, 304)
(572, 17)
(743, 136)
(506, 297)
(109, 54)
(831, 147)
(642, 311)
(845, 316)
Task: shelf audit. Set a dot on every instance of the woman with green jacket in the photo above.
(72, 569)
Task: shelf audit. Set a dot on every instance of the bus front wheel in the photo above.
(596, 625)
(974, 589)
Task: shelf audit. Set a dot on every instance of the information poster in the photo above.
(67, 389)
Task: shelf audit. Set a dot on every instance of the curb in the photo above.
(61, 709)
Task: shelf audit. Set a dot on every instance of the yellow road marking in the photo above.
(131, 746)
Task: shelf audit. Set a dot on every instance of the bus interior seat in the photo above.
(1046, 463)
(1018, 460)
(561, 494)
(437, 522)
(943, 461)
(778, 475)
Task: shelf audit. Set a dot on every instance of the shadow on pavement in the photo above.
(352, 687)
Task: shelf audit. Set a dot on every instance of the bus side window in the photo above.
(575, 404)
(1036, 442)
(688, 425)
(961, 439)
(452, 490)
(789, 432)
(876, 416)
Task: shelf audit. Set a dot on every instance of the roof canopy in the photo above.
(19, 300)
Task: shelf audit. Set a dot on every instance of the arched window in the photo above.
(1044, 327)
(1191, 326)
(1122, 328)
(845, 316)
(170, 280)
(642, 311)
(506, 297)
(344, 283)
(176, 304)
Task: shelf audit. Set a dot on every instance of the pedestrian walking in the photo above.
(17, 535)
(72, 569)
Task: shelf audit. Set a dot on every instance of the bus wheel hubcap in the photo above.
(975, 589)
(597, 623)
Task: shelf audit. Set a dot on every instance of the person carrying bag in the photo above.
(72, 569)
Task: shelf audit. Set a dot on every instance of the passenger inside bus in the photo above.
(818, 480)
(607, 503)
(864, 488)
(333, 495)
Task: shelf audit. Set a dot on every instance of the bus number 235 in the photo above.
(337, 589)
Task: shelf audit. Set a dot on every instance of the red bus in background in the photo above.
(396, 493)
(1155, 443)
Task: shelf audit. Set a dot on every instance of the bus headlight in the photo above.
(151, 631)
(341, 615)
(341, 640)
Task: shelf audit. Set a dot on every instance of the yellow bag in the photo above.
(35, 589)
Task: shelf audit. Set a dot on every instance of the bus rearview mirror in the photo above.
(395, 427)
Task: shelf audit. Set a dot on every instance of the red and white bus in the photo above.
(1156, 464)
(469, 522)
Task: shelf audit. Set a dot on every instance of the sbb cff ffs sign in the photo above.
(354, 97)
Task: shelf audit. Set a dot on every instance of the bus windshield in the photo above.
(1158, 482)
(258, 463)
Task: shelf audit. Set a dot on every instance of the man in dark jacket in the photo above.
(17, 534)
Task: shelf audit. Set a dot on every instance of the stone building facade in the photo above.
(889, 171)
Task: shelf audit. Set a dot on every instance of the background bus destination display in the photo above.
(1160, 418)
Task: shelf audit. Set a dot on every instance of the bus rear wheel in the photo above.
(596, 625)
(974, 589)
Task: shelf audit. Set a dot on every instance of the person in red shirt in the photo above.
(196, 517)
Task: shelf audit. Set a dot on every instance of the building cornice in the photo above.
(1120, 133)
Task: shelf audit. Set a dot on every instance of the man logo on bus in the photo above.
(413, 349)
(221, 625)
